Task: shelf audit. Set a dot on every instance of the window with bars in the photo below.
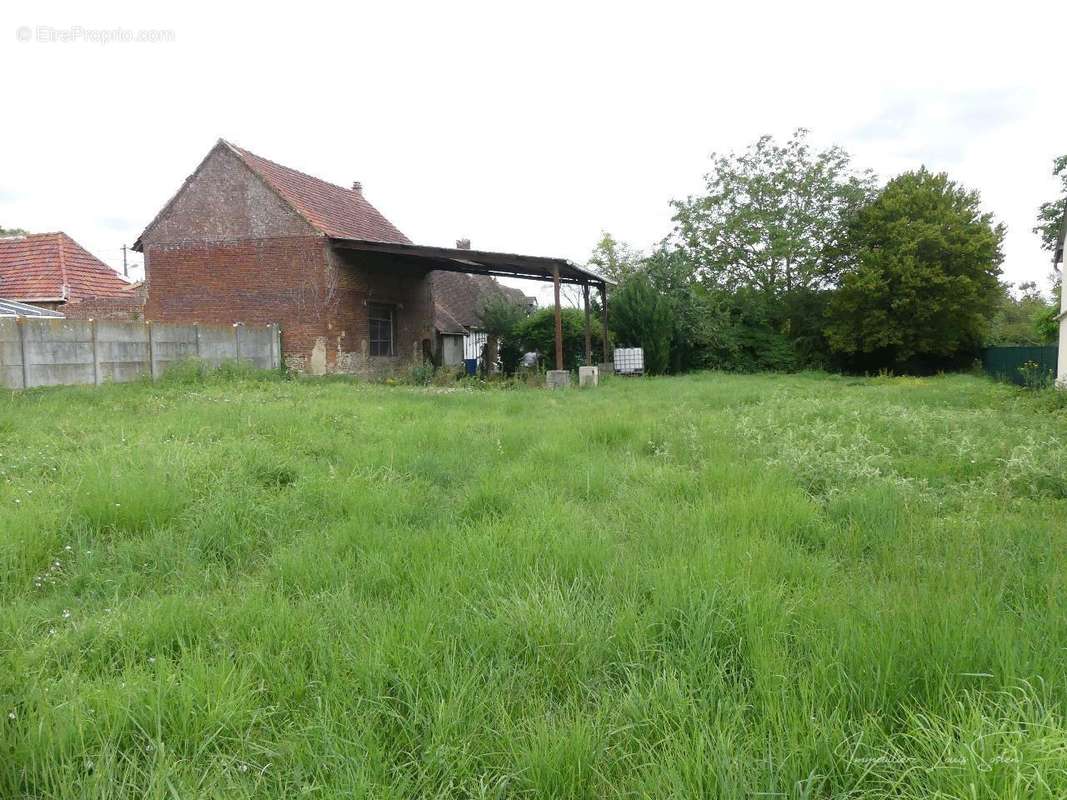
(382, 324)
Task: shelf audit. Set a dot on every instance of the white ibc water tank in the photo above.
(629, 361)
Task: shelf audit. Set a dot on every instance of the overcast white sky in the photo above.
(527, 128)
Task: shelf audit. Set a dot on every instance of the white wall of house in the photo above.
(473, 343)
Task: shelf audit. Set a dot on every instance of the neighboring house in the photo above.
(52, 271)
(1057, 263)
(458, 302)
(248, 240)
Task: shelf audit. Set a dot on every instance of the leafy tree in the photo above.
(744, 336)
(500, 316)
(773, 217)
(925, 280)
(800, 320)
(1050, 214)
(693, 316)
(642, 318)
(1050, 219)
(510, 355)
(1047, 322)
(13, 231)
(537, 333)
(1022, 316)
(614, 259)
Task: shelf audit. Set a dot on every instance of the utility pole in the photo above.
(125, 273)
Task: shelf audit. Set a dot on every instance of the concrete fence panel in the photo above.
(257, 346)
(48, 352)
(171, 343)
(57, 351)
(10, 354)
(218, 343)
(121, 351)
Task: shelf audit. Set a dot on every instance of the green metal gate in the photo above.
(1005, 363)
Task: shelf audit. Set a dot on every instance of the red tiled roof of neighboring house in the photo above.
(444, 322)
(331, 209)
(463, 295)
(52, 267)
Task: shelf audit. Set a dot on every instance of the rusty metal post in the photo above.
(559, 320)
(604, 314)
(588, 327)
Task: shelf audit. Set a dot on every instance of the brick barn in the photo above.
(246, 240)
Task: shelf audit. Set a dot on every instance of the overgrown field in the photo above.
(712, 586)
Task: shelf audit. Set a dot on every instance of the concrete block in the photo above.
(57, 351)
(121, 351)
(256, 346)
(558, 378)
(218, 343)
(10, 354)
(588, 376)
(171, 344)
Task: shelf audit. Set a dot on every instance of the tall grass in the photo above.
(713, 586)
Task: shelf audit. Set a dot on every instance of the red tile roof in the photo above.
(462, 296)
(444, 322)
(52, 267)
(331, 209)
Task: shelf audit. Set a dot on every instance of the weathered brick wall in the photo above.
(128, 308)
(319, 298)
(363, 279)
(254, 281)
(57, 306)
(223, 201)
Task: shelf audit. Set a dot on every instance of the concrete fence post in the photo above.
(151, 351)
(237, 340)
(96, 353)
(196, 330)
(20, 323)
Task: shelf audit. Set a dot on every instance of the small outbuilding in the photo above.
(458, 302)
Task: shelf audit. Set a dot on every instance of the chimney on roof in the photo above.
(463, 244)
(357, 186)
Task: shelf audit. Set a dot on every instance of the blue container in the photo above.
(472, 365)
